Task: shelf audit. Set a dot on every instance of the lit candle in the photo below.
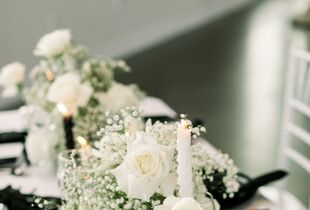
(184, 159)
(85, 148)
(68, 125)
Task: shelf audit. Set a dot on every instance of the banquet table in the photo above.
(42, 182)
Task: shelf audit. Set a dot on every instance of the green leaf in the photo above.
(93, 102)
(82, 111)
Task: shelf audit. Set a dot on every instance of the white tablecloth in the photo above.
(11, 121)
(44, 182)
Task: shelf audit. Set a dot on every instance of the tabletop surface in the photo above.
(42, 181)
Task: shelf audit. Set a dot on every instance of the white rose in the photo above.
(37, 147)
(12, 75)
(53, 43)
(187, 204)
(145, 169)
(69, 91)
(174, 203)
(118, 97)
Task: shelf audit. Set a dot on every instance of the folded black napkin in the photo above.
(15, 200)
(7, 162)
(10, 137)
(248, 188)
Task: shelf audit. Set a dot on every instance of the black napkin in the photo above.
(11, 137)
(15, 200)
(248, 188)
(7, 162)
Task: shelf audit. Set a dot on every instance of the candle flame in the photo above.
(63, 109)
(49, 75)
(185, 124)
(82, 141)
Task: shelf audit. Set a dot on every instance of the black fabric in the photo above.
(248, 188)
(15, 200)
(12, 137)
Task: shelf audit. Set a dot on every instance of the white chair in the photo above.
(296, 106)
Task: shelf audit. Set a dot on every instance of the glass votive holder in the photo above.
(67, 159)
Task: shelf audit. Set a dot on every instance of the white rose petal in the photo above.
(138, 188)
(171, 201)
(53, 43)
(174, 203)
(145, 168)
(68, 90)
(118, 97)
(187, 204)
(10, 76)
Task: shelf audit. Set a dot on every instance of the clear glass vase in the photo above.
(65, 159)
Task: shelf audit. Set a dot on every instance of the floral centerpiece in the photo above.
(68, 76)
(138, 165)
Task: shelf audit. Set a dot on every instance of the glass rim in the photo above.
(64, 155)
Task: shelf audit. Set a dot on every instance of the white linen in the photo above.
(156, 107)
(11, 121)
(10, 150)
(258, 202)
(35, 180)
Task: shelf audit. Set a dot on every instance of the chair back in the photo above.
(294, 154)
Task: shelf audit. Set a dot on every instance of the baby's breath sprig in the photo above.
(119, 122)
(46, 204)
(197, 130)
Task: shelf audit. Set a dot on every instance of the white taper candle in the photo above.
(184, 159)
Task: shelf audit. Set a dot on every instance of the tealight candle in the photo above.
(68, 125)
(184, 159)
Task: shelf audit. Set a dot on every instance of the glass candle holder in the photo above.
(66, 159)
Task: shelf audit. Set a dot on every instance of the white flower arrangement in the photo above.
(11, 78)
(137, 169)
(68, 75)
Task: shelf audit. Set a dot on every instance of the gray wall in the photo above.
(113, 27)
